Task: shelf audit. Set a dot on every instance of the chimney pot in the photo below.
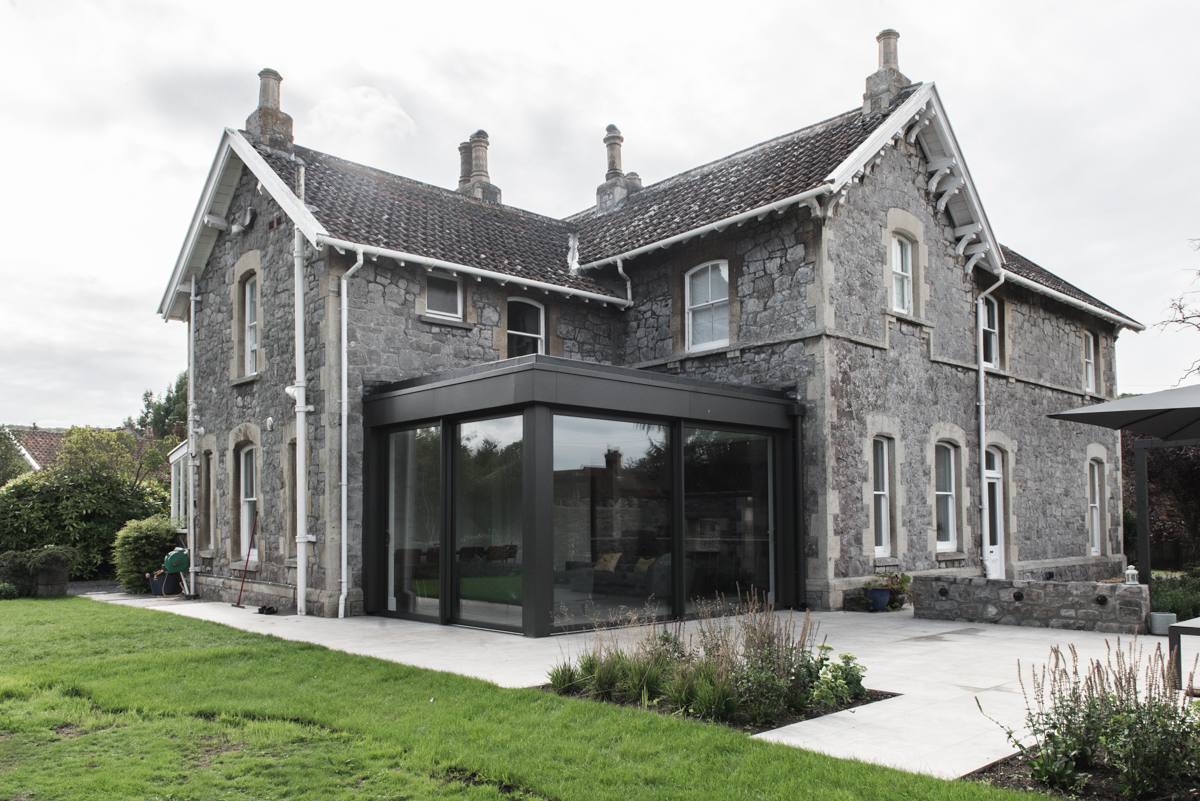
(885, 83)
(617, 185)
(268, 88)
(613, 142)
(473, 178)
(268, 125)
(888, 57)
(634, 179)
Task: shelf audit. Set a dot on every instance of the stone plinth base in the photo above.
(1078, 606)
(321, 603)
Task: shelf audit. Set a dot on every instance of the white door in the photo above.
(993, 521)
(249, 505)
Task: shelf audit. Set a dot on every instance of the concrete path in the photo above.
(939, 669)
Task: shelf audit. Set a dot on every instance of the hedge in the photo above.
(20, 568)
(140, 549)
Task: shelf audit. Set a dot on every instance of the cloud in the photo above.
(359, 123)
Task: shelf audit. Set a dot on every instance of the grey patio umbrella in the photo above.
(1170, 415)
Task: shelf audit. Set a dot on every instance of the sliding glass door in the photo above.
(414, 521)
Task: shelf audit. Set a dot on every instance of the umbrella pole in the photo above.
(1143, 515)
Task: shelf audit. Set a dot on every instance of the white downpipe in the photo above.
(988, 570)
(302, 409)
(191, 433)
(345, 286)
(628, 283)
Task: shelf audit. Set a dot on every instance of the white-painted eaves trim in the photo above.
(233, 148)
(718, 226)
(451, 267)
(1034, 286)
(33, 463)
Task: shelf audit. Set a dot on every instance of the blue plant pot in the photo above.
(877, 599)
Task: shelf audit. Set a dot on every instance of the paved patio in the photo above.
(939, 669)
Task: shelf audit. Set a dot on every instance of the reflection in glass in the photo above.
(414, 520)
(729, 518)
(487, 538)
(612, 520)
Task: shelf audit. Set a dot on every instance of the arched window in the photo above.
(881, 468)
(248, 503)
(707, 288)
(526, 328)
(945, 490)
(993, 523)
(1096, 485)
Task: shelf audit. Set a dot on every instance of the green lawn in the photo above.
(102, 701)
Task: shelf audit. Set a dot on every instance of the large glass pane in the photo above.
(881, 521)
(488, 530)
(720, 281)
(612, 520)
(720, 321)
(414, 520)
(699, 291)
(993, 490)
(880, 474)
(702, 325)
(729, 522)
(442, 296)
(945, 518)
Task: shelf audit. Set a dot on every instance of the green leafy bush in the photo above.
(83, 510)
(21, 568)
(8, 591)
(1178, 594)
(140, 548)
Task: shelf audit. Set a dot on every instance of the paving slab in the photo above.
(939, 668)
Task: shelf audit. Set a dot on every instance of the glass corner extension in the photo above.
(414, 521)
(487, 554)
(729, 516)
(613, 542)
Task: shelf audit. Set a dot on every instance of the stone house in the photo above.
(791, 369)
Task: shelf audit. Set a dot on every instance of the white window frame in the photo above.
(881, 512)
(541, 337)
(250, 323)
(689, 308)
(457, 279)
(991, 335)
(902, 274)
(248, 503)
(994, 476)
(180, 494)
(1095, 515)
(951, 544)
(1090, 346)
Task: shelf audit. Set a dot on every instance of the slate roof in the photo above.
(1016, 263)
(752, 178)
(372, 207)
(42, 443)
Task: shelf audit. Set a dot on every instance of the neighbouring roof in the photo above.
(42, 444)
(750, 179)
(1016, 263)
(372, 207)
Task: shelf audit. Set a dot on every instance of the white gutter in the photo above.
(302, 409)
(345, 285)
(980, 312)
(718, 226)
(502, 278)
(1070, 301)
(191, 434)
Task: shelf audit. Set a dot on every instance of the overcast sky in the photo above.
(1078, 122)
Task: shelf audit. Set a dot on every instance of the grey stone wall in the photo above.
(1078, 606)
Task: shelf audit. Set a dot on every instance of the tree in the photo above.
(160, 414)
(12, 463)
(92, 451)
(1185, 313)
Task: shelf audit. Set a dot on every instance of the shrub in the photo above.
(8, 591)
(564, 678)
(81, 510)
(644, 680)
(140, 548)
(608, 674)
(1180, 595)
(20, 569)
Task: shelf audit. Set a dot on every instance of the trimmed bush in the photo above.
(20, 569)
(80, 510)
(1180, 595)
(8, 591)
(140, 549)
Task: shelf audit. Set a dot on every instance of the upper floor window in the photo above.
(708, 306)
(1095, 496)
(250, 323)
(945, 485)
(1090, 349)
(991, 332)
(526, 323)
(443, 296)
(901, 275)
(881, 463)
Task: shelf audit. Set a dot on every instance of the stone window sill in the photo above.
(244, 566)
(290, 562)
(205, 553)
(246, 379)
(909, 318)
(886, 561)
(445, 322)
(951, 556)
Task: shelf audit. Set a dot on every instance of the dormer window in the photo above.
(991, 333)
(443, 296)
(901, 275)
(708, 306)
(525, 328)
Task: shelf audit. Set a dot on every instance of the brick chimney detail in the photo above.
(617, 185)
(268, 125)
(473, 178)
(885, 83)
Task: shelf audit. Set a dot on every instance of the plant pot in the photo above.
(897, 599)
(165, 584)
(877, 599)
(1161, 622)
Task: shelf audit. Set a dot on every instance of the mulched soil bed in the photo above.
(741, 723)
(1101, 784)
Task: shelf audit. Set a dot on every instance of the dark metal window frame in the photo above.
(538, 387)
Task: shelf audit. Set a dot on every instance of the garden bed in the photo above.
(1100, 784)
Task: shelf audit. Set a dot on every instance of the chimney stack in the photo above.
(617, 185)
(473, 178)
(884, 84)
(268, 125)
